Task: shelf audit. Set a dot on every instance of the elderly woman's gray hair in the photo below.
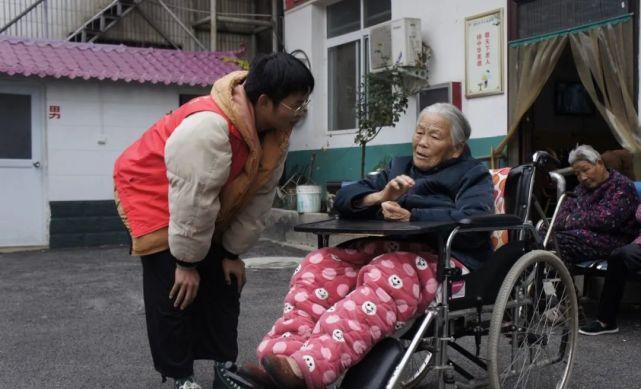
(461, 128)
(584, 153)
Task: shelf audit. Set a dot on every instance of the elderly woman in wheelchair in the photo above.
(344, 299)
(434, 265)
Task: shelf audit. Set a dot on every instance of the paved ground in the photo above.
(74, 318)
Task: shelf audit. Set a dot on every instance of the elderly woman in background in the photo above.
(600, 217)
(344, 299)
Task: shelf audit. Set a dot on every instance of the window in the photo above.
(348, 23)
(15, 126)
(343, 76)
(377, 11)
(343, 17)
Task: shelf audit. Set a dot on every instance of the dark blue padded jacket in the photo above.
(457, 188)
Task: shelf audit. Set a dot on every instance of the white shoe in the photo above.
(189, 384)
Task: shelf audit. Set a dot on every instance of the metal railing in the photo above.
(45, 19)
(151, 23)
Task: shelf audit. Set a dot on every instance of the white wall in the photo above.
(304, 29)
(443, 25)
(443, 28)
(79, 168)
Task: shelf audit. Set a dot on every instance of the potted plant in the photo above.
(383, 96)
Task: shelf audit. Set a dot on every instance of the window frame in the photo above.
(359, 72)
(362, 36)
(38, 123)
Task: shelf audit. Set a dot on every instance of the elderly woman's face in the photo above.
(589, 175)
(432, 142)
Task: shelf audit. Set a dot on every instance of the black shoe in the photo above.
(596, 328)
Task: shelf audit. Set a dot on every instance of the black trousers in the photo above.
(207, 329)
(622, 261)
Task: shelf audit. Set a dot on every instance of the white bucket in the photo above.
(308, 198)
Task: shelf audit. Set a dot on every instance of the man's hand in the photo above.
(235, 267)
(394, 189)
(392, 211)
(185, 289)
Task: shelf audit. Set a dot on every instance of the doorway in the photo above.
(563, 115)
(22, 199)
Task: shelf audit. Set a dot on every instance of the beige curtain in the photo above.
(534, 63)
(604, 61)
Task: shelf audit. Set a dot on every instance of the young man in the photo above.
(194, 192)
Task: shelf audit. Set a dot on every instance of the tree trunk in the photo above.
(363, 159)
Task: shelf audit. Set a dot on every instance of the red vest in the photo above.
(140, 173)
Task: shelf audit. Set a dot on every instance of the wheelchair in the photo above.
(516, 324)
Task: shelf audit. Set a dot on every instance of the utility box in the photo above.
(396, 42)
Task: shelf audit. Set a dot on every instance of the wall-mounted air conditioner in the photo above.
(398, 41)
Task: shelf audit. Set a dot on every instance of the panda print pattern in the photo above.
(342, 300)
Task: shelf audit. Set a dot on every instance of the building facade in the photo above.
(325, 133)
(334, 36)
(81, 79)
(68, 110)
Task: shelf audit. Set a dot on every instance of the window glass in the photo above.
(15, 126)
(376, 11)
(344, 74)
(343, 17)
(365, 55)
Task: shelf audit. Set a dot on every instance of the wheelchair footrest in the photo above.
(376, 368)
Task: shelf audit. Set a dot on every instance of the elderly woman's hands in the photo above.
(394, 189)
(392, 211)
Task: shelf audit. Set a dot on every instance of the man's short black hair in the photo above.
(277, 75)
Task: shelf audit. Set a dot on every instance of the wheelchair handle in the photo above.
(548, 233)
(560, 183)
(544, 160)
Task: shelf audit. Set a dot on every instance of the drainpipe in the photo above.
(213, 28)
(274, 25)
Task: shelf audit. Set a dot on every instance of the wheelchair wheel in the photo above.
(417, 367)
(534, 325)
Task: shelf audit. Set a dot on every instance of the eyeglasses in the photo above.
(297, 111)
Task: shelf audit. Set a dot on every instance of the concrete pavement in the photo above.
(75, 318)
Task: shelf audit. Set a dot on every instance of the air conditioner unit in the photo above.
(395, 42)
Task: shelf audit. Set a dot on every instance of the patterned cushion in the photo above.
(499, 177)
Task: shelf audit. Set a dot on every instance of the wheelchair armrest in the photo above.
(496, 221)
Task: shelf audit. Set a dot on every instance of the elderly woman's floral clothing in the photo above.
(596, 221)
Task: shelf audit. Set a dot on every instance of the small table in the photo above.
(324, 228)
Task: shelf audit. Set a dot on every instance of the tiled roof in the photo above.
(61, 59)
